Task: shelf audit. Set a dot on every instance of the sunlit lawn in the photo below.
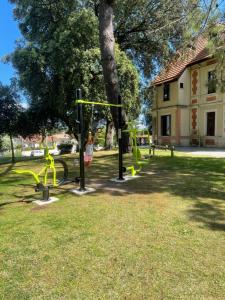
(160, 236)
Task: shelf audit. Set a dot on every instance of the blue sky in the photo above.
(9, 32)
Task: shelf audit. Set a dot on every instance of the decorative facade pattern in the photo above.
(194, 82)
(196, 110)
(194, 118)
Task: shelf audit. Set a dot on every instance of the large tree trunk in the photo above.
(12, 149)
(109, 134)
(107, 45)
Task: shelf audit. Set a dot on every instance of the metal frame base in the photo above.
(81, 193)
(46, 202)
(126, 178)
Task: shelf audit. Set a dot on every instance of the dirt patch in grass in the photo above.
(38, 208)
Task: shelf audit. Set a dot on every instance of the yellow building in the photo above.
(188, 108)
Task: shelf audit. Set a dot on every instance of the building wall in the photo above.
(185, 125)
(173, 95)
(202, 103)
(188, 107)
(185, 92)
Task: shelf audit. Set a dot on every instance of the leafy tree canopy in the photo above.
(51, 69)
(148, 30)
(10, 111)
(61, 41)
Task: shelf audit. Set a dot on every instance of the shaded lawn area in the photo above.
(161, 236)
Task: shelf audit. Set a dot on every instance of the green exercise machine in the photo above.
(43, 185)
(80, 103)
(139, 161)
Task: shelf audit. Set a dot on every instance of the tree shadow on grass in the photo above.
(6, 170)
(198, 180)
(25, 199)
(28, 199)
(186, 177)
(10, 202)
(201, 180)
(211, 215)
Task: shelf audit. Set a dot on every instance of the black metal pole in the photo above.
(81, 140)
(120, 139)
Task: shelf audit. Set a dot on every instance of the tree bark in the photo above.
(106, 132)
(12, 149)
(107, 46)
(109, 134)
(43, 138)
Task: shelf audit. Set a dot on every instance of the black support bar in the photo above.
(81, 140)
(119, 134)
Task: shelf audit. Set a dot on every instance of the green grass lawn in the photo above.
(161, 236)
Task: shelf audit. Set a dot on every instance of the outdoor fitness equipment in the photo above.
(139, 161)
(80, 102)
(49, 165)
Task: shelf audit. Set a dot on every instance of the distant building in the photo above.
(35, 141)
(188, 108)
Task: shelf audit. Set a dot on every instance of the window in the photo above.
(210, 123)
(166, 125)
(181, 85)
(166, 92)
(211, 82)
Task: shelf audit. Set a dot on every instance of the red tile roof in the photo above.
(176, 67)
(50, 138)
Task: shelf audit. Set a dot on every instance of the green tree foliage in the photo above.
(216, 37)
(1, 144)
(61, 42)
(56, 58)
(36, 120)
(10, 111)
(150, 31)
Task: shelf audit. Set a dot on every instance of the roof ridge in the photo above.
(177, 66)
